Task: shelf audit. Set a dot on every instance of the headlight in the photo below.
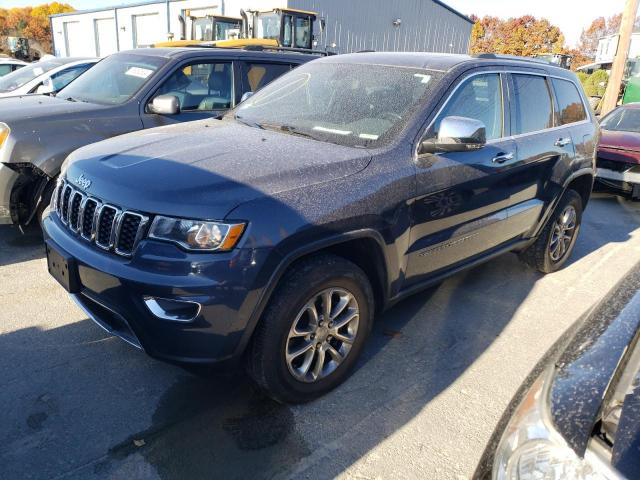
(531, 448)
(4, 133)
(197, 235)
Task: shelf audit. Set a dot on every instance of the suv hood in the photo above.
(620, 140)
(204, 169)
(27, 107)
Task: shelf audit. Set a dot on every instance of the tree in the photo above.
(599, 28)
(523, 36)
(31, 22)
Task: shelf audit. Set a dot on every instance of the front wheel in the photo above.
(313, 330)
(555, 243)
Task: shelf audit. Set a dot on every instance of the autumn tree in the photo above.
(31, 22)
(522, 36)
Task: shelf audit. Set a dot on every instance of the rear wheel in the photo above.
(313, 330)
(555, 243)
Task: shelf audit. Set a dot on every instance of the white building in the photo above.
(350, 25)
(608, 47)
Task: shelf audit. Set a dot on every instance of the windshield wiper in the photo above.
(248, 123)
(288, 129)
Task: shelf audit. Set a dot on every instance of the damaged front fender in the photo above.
(30, 192)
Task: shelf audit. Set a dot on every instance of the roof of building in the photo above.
(160, 2)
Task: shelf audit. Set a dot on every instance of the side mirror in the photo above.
(165, 105)
(46, 88)
(456, 134)
(246, 96)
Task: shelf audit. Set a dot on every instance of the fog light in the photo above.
(172, 310)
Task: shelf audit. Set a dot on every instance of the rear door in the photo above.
(543, 147)
(463, 198)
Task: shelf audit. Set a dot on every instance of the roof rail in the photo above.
(496, 56)
(261, 48)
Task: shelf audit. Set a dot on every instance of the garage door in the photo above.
(106, 43)
(73, 39)
(145, 30)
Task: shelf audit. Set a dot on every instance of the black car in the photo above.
(125, 92)
(577, 416)
(276, 234)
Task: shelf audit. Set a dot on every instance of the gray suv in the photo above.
(125, 92)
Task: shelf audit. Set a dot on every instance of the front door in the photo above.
(461, 208)
(204, 89)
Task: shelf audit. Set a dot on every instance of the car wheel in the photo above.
(555, 243)
(313, 330)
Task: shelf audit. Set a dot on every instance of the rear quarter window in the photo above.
(570, 106)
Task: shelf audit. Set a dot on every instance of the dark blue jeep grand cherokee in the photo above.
(275, 234)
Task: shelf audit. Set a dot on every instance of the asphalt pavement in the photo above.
(435, 377)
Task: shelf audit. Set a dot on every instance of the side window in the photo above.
(570, 106)
(533, 107)
(62, 79)
(303, 32)
(480, 98)
(201, 86)
(4, 69)
(257, 75)
(288, 31)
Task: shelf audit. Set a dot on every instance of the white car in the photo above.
(8, 65)
(44, 77)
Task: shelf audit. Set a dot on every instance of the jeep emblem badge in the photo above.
(83, 182)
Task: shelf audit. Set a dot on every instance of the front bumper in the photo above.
(113, 290)
(7, 180)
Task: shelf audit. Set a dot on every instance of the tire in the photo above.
(301, 292)
(543, 255)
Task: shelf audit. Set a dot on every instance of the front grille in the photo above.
(106, 225)
(129, 228)
(106, 220)
(88, 214)
(74, 210)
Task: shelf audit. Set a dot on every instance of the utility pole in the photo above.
(617, 71)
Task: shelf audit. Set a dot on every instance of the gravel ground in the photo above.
(437, 373)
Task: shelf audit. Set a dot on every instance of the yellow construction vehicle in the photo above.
(280, 27)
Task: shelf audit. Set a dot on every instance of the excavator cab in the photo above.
(280, 27)
(288, 27)
(214, 27)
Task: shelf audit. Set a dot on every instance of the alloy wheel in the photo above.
(562, 234)
(322, 335)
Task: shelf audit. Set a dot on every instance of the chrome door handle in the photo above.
(562, 142)
(503, 157)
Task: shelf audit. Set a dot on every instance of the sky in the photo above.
(570, 15)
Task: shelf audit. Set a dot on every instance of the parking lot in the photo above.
(434, 379)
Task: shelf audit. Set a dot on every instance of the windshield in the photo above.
(622, 120)
(24, 75)
(347, 104)
(114, 80)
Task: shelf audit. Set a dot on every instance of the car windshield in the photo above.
(24, 75)
(114, 80)
(622, 120)
(348, 104)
